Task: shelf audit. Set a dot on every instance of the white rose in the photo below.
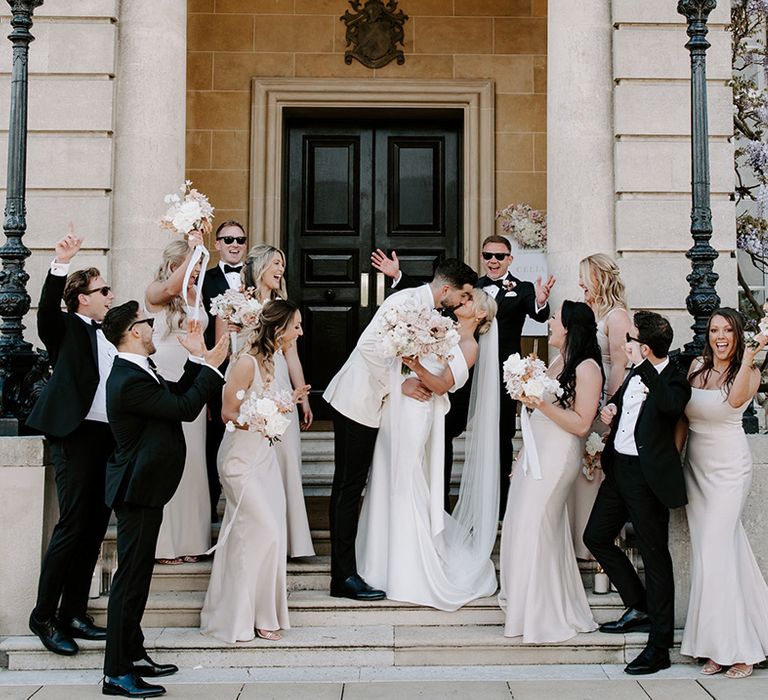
(186, 216)
(534, 388)
(277, 424)
(594, 444)
(266, 407)
(515, 364)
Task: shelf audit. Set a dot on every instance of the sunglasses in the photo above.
(104, 291)
(498, 256)
(630, 339)
(229, 240)
(149, 320)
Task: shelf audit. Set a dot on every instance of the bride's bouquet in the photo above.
(415, 330)
(527, 377)
(186, 213)
(593, 448)
(265, 413)
(237, 306)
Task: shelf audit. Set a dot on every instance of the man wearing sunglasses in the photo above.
(71, 412)
(516, 300)
(231, 244)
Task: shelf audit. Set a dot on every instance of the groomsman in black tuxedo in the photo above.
(145, 413)
(516, 300)
(643, 480)
(230, 242)
(71, 412)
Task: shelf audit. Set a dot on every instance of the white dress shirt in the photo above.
(233, 278)
(634, 396)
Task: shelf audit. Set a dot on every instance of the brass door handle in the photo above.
(364, 294)
(380, 288)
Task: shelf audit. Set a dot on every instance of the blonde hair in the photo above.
(174, 255)
(602, 277)
(484, 305)
(259, 258)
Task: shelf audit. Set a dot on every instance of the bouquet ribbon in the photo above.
(531, 454)
(200, 253)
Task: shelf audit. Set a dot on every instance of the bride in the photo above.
(407, 544)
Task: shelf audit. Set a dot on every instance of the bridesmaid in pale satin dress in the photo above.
(247, 593)
(263, 271)
(604, 292)
(185, 533)
(542, 594)
(728, 607)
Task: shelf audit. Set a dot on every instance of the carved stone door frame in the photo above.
(272, 97)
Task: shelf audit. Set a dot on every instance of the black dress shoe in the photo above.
(355, 588)
(130, 686)
(146, 667)
(650, 660)
(53, 639)
(631, 621)
(83, 628)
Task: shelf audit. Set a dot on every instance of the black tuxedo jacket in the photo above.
(511, 313)
(214, 283)
(71, 345)
(668, 393)
(145, 417)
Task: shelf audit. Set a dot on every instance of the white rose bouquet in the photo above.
(593, 448)
(527, 377)
(415, 330)
(187, 213)
(237, 306)
(265, 413)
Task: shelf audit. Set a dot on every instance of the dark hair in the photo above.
(118, 319)
(654, 331)
(736, 321)
(455, 273)
(497, 239)
(229, 222)
(273, 322)
(77, 284)
(580, 344)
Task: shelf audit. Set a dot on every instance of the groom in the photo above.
(643, 480)
(357, 394)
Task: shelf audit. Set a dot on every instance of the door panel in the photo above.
(352, 188)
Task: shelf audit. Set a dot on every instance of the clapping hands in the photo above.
(194, 344)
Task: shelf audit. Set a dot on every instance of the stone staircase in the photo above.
(332, 631)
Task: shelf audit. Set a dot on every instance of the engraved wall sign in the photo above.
(374, 30)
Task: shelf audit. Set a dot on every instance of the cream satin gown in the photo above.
(728, 605)
(247, 589)
(186, 527)
(288, 452)
(541, 589)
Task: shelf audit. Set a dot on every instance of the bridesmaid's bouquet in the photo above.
(237, 306)
(188, 212)
(415, 330)
(527, 377)
(593, 448)
(762, 329)
(265, 413)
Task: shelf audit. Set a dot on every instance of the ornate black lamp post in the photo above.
(703, 298)
(17, 358)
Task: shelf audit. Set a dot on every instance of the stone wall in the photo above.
(232, 41)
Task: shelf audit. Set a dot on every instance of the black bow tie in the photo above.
(96, 325)
(232, 268)
(496, 283)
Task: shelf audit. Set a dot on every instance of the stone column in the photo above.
(580, 182)
(150, 127)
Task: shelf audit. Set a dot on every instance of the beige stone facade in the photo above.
(111, 121)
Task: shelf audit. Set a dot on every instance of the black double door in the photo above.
(351, 188)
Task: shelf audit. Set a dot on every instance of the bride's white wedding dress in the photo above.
(407, 544)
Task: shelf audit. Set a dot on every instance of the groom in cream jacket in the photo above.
(357, 394)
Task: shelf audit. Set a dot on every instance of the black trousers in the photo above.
(137, 531)
(214, 433)
(455, 425)
(625, 495)
(79, 462)
(507, 429)
(353, 453)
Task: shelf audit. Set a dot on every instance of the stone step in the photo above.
(370, 645)
(316, 608)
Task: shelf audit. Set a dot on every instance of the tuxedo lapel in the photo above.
(91, 332)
